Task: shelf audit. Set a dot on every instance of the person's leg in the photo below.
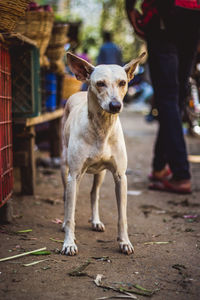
(187, 42)
(178, 56)
(159, 159)
(187, 35)
(170, 146)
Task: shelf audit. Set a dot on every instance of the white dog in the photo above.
(93, 141)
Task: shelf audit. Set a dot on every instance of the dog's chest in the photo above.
(98, 167)
(99, 160)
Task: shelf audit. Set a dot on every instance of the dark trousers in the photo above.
(171, 53)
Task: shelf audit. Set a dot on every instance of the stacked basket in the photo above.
(55, 51)
(37, 25)
(11, 11)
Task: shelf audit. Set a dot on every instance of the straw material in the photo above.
(59, 35)
(37, 25)
(70, 86)
(57, 67)
(11, 11)
(55, 51)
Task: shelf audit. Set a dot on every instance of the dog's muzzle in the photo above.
(114, 107)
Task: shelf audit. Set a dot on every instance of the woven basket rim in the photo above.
(34, 15)
(15, 4)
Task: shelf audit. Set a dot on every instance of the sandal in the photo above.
(166, 175)
(172, 186)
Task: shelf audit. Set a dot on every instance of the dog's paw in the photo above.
(98, 226)
(126, 248)
(69, 249)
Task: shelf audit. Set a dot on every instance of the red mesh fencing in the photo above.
(6, 153)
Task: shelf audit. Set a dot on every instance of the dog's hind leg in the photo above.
(64, 168)
(64, 175)
(97, 225)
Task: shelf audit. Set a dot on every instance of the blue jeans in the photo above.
(171, 52)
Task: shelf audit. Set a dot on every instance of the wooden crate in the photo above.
(25, 81)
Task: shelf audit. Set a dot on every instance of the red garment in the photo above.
(190, 4)
(148, 11)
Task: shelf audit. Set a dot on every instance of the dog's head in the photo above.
(108, 83)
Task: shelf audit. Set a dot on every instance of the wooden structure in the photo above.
(24, 134)
(24, 127)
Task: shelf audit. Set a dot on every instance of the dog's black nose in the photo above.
(114, 106)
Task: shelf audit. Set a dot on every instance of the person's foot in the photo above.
(164, 174)
(172, 186)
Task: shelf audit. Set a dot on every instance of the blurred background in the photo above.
(35, 81)
(94, 17)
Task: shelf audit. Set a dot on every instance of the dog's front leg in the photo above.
(97, 225)
(121, 195)
(69, 246)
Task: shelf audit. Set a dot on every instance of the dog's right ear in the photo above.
(130, 67)
(80, 67)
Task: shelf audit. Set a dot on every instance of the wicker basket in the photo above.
(59, 34)
(11, 11)
(70, 86)
(37, 25)
(55, 51)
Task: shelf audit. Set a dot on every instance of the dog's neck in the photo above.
(102, 122)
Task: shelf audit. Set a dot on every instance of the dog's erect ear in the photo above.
(80, 67)
(131, 66)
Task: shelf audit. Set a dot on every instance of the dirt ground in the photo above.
(164, 228)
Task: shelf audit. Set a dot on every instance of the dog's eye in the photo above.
(101, 84)
(122, 83)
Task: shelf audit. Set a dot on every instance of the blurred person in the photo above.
(171, 30)
(109, 52)
(84, 55)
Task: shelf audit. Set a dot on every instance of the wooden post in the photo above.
(27, 141)
(55, 137)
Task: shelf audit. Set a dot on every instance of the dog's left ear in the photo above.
(131, 66)
(80, 67)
